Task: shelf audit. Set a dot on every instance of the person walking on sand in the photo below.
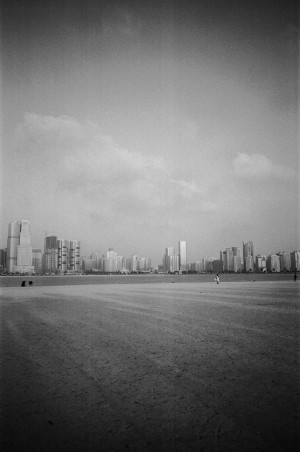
(295, 277)
(217, 279)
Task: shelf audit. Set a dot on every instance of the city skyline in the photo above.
(61, 254)
(134, 124)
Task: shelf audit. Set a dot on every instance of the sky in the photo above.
(136, 124)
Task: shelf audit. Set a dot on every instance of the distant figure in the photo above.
(30, 283)
(23, 284)
(217, 279)
(295, 277)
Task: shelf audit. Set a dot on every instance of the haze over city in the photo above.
(134, 124)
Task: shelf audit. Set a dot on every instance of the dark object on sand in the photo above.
(30, 283)
(23, 284)
(295, 276)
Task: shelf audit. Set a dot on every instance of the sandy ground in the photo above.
(154, 367)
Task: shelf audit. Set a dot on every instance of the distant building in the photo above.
(74, 256)
(248, 256)
(50, 264)
(285, 261)
(231, 260)
(295, 261)
(134, 260)
(37, 260)
(19, 249)
(273, 263)
(125, 265)
(61, 256)
(144, 264)
(3, 253)
(13, 241)
(261, 263)
(207, 264)
(196, 267)
(217, 266)
(170, 260)
(90, 263)
(111, 261)
(182, 255)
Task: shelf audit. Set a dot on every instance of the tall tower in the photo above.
(182, 255)
(51, 254)
(248, 256)
(19, 249)
(171, 260)
(62, 255)
(13, 240)
(74, 256)
(24, 254)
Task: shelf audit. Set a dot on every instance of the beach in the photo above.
(171, 364)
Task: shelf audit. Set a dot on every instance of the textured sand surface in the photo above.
(171, 367)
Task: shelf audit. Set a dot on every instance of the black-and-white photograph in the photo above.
(149, 225)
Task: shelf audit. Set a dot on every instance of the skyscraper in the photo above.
(13, 240)
(3, 254)
(37, 260)
(111, 261)
(231, 260)
(170, 260)
(51, 254)
(248, 256)
(19, 249)
(182, 255)
(74, 256)
(295, 260)
(62, 255)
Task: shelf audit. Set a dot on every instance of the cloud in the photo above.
(258, 166)
(83, 166)
(188, 189)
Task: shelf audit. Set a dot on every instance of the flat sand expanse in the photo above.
(150, 367)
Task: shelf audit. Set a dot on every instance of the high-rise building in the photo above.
(3, 254)
(13, 241)
(231, 260)
(62, 255)
(125, 265)
(182, 255)
(170, 260)
(110, 262)
(51, 254)
(295, 261)
(237, 260)
(147, 264)
(90, 263)
(196, 267)
(248, 256)
(285, 261)
(37, 260)
(74, 256)
(19, 249)
(273, 263)
(261, 263)
(134, 261)
(217, 266)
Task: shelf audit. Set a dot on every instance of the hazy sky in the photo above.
(136, 124)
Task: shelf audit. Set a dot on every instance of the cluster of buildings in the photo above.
(175, 261)
(111, 262)
(235, 260)
(61, 256)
